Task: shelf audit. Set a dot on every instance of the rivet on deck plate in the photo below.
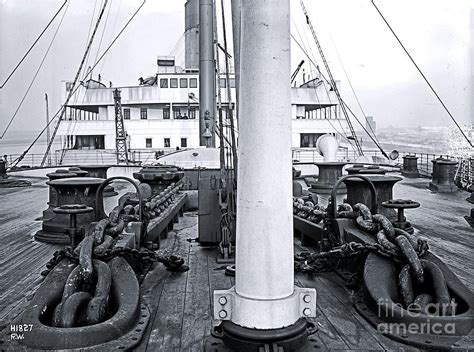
(222, 300)
(307, 311)
(222, 314)
(307, 298)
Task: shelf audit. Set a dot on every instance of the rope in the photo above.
(353, 91)
(35, 75)
(17, 160)
(229, 96)
(345, 104)
(32, 45)
(422, 75)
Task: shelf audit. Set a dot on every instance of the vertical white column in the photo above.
(207, 75)
(264, 255)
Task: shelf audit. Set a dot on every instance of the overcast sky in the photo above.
(437, 33)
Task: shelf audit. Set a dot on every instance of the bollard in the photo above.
(78, 171)
(358, 192)
(75, 190)
(410, 166)
(53, 195)
(360, 169)
(443, 176)
(329, 172)
(3, 169)
(100, 171)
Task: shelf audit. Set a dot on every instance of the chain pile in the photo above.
(154, 206)
(391, 242)
(86, 292)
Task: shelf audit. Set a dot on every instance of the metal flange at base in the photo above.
(299, 337)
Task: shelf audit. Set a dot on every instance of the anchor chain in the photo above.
(405, 249)
(85, 298)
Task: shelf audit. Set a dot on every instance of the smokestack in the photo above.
(207, 74)
(191, 35)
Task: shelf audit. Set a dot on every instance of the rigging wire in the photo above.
(332, 81)
(32, 45)
(18, 159)
(112, 31)
(72, 126)
(346, 105)
(344, 134)
(81, 65)
(102, 35)
(229, 96)
(353, 90)
(35, 75)
(219, 104)
(422, 75)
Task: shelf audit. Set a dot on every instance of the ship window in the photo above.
(177, 113)
(173, 83)
(183, 83)
(184, 142)
(167, 142)
(69, 86)
(222, 83)
(163, 82)
(126, 114)
(193, 83)
(192, 113)
(148, 142)
(143, 113)
(166, 113)
(232, 82)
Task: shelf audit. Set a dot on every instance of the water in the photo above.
(18, 142)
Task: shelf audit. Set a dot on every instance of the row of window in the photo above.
(183, 83)
(166, 142)
(166, 114)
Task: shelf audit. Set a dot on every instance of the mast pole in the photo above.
(207, 74)
(264, 296)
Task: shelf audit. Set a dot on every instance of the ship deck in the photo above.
(181, 302)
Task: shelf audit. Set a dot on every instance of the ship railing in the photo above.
(464, 174)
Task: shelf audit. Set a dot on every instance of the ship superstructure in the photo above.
(162, 111)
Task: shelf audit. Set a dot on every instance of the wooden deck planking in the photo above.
(22, 258)
(181, 303)
(440, 220)
(166, 330)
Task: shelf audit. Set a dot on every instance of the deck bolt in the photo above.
(222, 300)
(307, 311)
(307, 298)
(222, 314)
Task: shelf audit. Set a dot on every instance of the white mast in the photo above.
(264, 296)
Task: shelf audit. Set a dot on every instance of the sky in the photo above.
(437, 34)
